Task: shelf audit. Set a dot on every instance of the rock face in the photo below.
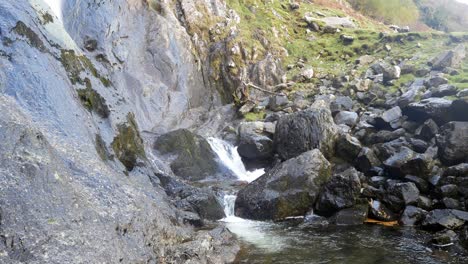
(77, 90)
(305, 130)
(289, 189)
(453, 143)
(195, 158)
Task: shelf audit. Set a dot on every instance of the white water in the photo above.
(230, 158)
(255, 232)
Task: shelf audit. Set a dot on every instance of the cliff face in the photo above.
(77, 90)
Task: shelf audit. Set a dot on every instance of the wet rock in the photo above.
(425, 203)
(254, 142)
(436, 108)
(384, 136)
(379, 211)
(444, 238)
(451, 58)
(453, 143)
(422, 184)
(457, 170)
(195, 158)
(449, 190)
(289, 189)
(451, 203)
(347, 147)
(366, 160)
(408, 162)
(346, 118)
(390, 119)
(202, 201)
(462, 93)
(305, 130)
(340, 192)
(351, 216)
(412, 216)
(400, 194)
(428, 130)
(444, 218)
(418, 145)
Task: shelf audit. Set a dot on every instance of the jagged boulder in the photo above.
(195, 159)
(412, 216)
(450, 58)
(406, 161)
(305, 130)
(453, 143)
(340, 192)
(254, 140)
(289, 189)
(436, 108)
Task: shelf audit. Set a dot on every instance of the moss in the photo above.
(47, 18)
(93, 101)
(255, 116)
(101, 148)
(128, 145)
(76, 64)
(31, 37)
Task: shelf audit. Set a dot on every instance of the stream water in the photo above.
(289, 243)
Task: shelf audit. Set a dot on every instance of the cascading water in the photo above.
(230, 158)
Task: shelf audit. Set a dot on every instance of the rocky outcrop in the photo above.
(305, 130)
(289, 189)
(255, 140)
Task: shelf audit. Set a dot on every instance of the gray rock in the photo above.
(453, 143)
(366, 160)
(437, 109)
(443, 90)
(412, 216)
(427, 131)
(389, 119)
(289, 189)
(384, 136)
(340, 192)
(463, 93)
(351, 216)
(451, 58)
(339, 22)
(346, 118)
(379, 211)
(398, 195)
(341, 103)
(407, 162)
(444, 218)
(434, 82)
(457, 170)
(305, 130)
(278, 102)
(254, 141)
(347, 147)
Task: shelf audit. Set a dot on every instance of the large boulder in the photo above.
(254, 140)
(305, 130)
(407, 162)
(340, 192)
(195, 159)
(451, 58)
(436, 108)
(453, 143)
(412, 216)
(399, 194)
(389, 119)
(289, 189)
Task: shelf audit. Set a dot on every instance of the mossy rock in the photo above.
(31, 37)
(195, 158)
(128, 144)
(101, 148)
(93, 101)
(76, 64)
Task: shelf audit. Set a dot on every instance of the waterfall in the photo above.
(56, 7)
(230, 158)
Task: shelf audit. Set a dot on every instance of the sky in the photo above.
(463, 1)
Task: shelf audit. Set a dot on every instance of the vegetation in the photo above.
(389, 11)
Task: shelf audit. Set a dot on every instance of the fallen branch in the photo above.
(261, 89)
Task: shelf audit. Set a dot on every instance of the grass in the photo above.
(254, 116)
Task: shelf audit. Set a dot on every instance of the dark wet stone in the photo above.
(412, 216)
(453, 143)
